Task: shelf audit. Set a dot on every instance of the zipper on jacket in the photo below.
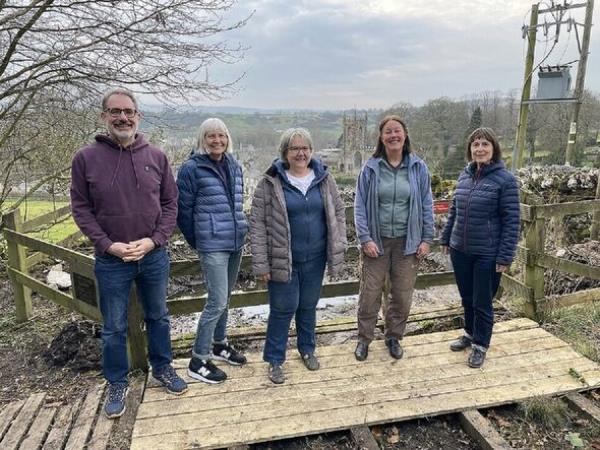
(476, 180)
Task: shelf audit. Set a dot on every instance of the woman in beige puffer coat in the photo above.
(297, 224)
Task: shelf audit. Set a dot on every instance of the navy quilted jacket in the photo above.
(484, 216)
(210, 216)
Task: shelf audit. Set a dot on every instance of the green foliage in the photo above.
(546, 411)
(579, 325)
(345, 179)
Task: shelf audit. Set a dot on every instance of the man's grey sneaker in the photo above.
(276, 373)
(115, 400)
(170, 380)
(226, 352)
(362, 351)
(461, 343)
(476, 358)
(205, 370)
(394, 347)
(310, 361)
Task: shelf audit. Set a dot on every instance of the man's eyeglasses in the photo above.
(116, 112)
(304, 149)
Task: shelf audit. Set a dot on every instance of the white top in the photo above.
(301, 183)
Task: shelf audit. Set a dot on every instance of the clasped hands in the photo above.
(133, 251)
(370, 249)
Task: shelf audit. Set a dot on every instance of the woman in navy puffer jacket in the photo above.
(482, 233)
(211, 218)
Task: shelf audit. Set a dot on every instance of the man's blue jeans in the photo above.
(220, 274)
(114, 279)
(298, 296)
(477, 282)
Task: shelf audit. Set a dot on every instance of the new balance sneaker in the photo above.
(226, 352)
(115, 400)
(205, 370)
(170, 380)
(276, 373)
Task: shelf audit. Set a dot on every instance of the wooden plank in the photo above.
(516, 287)
(343, 416)
(80, 263)
(62, 424)
(585, 407)
(482, 431)
(344, 378)
(261, 406)
(363, 438)
(322, 327)
(17, 260)
(85, 418)
(38, 257)
(572, 267)
(22, 422)
(124, 425)
(567, 208)
(136, 337)
(575, 298)
(101, 432)
(7, 415)
(39, 429)
(46, 219)
(191, 304)
(55, 295)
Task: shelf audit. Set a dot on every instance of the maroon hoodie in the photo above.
(121, 195)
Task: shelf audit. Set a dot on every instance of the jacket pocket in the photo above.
(213, 225)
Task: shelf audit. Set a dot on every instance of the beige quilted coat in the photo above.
(270, 228)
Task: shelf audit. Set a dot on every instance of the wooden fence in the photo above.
(82, 298)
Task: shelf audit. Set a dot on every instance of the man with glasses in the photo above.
(124, 199)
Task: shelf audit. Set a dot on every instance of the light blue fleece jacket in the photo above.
(420, 215)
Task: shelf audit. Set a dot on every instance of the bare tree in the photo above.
(58, 55)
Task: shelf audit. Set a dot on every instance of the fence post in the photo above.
(535, 232)
(136, 337)
(17, 259)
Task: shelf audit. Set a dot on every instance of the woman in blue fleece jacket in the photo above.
(482, 233)
(393, 216)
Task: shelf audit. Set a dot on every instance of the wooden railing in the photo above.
(82, 298)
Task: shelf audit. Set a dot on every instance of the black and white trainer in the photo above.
(205, 370)
(225, 352)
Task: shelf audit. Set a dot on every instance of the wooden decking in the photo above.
(524, 361)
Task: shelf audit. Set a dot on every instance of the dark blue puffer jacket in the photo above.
(210, 216)
(484, 216)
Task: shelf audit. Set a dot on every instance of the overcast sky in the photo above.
(338, 54)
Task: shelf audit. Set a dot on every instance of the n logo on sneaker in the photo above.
(204, 371)
(225, 354)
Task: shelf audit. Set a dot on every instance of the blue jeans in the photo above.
(114, 279)
(477, 282)
(220, 274)
(298, 296)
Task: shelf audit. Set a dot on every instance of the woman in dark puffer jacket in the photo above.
(482, 233)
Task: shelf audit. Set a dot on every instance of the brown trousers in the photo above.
(403, 274)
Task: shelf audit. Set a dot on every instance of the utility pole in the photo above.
(587, 31)
(519, 149)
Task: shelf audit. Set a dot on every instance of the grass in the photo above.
(34, 208)
(547, 411)
(578, 325)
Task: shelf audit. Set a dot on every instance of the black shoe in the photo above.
(476, 358)
(276, 373)
(205, 370)
(362, 351)
(461, 343)
(394, 347)
(310, 361)
(225, 352)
